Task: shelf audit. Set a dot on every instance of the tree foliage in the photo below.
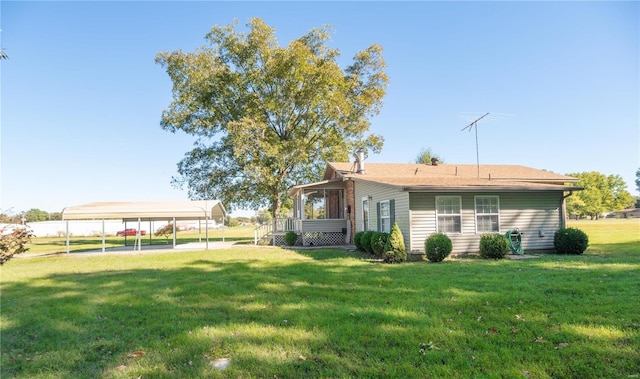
(263, 217)
(166, 231)
(638, 180)
(14, 243)
(267, 117)
(35, 215)
(601, 194)
(425, 155)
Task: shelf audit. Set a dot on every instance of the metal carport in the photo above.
(146, 211)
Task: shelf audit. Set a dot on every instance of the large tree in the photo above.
(35, 215)
(267, 117)
(601, 194)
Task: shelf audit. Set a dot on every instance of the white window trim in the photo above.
(456, 214)
(476, 214)
(366, 224)
(385, 217)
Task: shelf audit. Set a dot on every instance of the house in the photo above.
(625, 213)
(463, 201)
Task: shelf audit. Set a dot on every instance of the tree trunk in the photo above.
(275, 209)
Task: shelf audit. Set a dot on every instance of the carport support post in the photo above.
(67, 234)
(103, 249)
(174, 232)
(139, 236)
(206, 231)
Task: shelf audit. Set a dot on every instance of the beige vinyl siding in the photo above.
(537, 215)
(382, 193)
(324, 225)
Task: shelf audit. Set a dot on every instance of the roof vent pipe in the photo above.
(360, 157)
(434, 161)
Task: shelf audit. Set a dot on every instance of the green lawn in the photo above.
(325, 313)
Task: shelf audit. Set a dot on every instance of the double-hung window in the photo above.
(487, 214)
(448, 214)
(385, 217)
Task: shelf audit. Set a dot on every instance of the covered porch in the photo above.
(320, 215)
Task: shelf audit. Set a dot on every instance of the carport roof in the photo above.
(147, 210)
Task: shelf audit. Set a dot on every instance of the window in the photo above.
(385, 217)
(365, 214)
(448, 214)
(323, 204)
(487, 212)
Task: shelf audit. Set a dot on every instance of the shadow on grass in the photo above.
(323, 314)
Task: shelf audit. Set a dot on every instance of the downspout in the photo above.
(563, 222)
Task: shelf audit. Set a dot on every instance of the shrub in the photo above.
(14, 243)
(357, 240)
(290, 238)
(378, 241)
(166, 231)
(570, 241)
(366, 241)
(494, 246)
(437, 247)
(394, 250)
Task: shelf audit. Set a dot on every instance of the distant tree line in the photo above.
(601, 194)
(32, 215)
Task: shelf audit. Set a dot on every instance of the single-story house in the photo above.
(463, 201)
(625, 213)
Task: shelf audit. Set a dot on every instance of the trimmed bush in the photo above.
(378, 241)
(14, 243)
(394, 250)
(357, 240)
(437, 247)
(290, 238)
(570, 241)
(366, 241)
(495, 246)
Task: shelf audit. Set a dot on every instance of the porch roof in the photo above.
(321, 184)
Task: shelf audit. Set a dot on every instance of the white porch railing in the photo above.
(281, 225)
(303, 227)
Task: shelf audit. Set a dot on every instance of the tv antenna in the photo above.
(474, 125)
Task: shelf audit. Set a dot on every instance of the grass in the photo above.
(325, 313)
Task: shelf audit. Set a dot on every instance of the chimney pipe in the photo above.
(359, 155)
(434, 161)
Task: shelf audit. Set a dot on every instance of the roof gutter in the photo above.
(487, 188)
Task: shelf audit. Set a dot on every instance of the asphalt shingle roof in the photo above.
(451, 175)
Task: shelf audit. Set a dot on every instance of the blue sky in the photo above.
(81, 96)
